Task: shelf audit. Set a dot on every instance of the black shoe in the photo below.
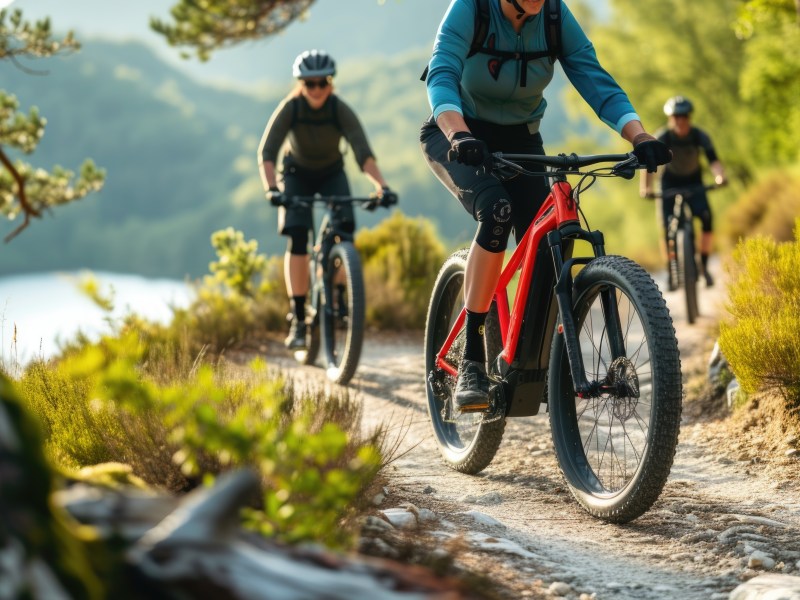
(296, 340)
(472, 387)
(709, 279)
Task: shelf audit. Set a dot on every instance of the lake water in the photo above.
(39, 310)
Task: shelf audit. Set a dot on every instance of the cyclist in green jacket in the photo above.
(307, 128)
(685, 171)
(492, 101)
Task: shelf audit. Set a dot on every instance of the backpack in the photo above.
(552, 25)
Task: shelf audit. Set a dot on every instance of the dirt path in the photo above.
(700, 540)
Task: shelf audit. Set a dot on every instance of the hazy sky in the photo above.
(348, 29)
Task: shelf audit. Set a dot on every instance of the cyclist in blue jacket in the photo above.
(487, 102)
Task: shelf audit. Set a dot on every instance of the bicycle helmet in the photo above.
(313, 63)
(678, 105)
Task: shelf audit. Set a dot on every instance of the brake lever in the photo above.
(627, 168)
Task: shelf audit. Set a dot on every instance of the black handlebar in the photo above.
(369, 202)
(625, 165)
(686, 191)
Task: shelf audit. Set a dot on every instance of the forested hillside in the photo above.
(180, 157)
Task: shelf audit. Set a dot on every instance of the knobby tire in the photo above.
(611, 487)
(342, 324)
(688, 262)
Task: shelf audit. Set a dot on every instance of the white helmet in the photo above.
(313, 63)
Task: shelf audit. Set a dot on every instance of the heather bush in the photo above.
(761, 337)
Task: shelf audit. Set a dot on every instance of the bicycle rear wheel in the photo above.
(688, 262)
(342, 313)
(615, 450)
(467, 442)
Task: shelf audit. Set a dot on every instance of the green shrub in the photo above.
(98, 405)
(767, 208)
(401, 257)
(761, 340)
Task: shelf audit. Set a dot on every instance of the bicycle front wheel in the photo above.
(615, 449)
(308, 356)
(342, 314)
(688, 262)
(467, 442)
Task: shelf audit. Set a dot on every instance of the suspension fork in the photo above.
(563, 291)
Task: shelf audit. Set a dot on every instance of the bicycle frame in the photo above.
(543, 293)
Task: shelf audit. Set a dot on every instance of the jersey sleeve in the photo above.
(354, 133)
(276, 131)
(704, 140)
(450, 50)
(595, 85)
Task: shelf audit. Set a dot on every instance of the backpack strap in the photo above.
(481, 29)
(552, 28)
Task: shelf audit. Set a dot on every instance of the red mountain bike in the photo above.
(598, 346)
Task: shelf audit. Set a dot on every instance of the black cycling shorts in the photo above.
(304, 182)
(698, 202)
(471, 185)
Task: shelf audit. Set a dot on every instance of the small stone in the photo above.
(759, 559)
(400, 518)
(792, 453)
(559, 588)
(428, 490)
(378, 499)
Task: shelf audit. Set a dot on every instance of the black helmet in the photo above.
(313, 63)
(678, 105)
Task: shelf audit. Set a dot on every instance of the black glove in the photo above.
(388, 197)
(276, 197)
(650, 152)
(467, 150)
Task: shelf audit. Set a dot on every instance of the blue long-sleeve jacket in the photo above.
(475, 87)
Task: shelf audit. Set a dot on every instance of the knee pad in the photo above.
(705, 219)
(494, 222)
(298, 241)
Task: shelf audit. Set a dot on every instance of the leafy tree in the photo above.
(208, 25)
(23, 188)
(771, 31)
(659, 48)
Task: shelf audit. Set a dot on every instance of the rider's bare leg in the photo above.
(296, 274)
(481, 277)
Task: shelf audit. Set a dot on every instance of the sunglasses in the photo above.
(316, 83)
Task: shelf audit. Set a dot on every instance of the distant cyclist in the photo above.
(685, 171)
(308, 127)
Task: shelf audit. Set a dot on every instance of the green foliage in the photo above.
(98, 406)
(767, 208)
(239, 263)
(43, 532)
(23, 38)
(23, 188)
(760, 340)
(769, 76)
(684, 48)
(214, 24)
(401, 257)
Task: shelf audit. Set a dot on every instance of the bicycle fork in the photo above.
(615, 382)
